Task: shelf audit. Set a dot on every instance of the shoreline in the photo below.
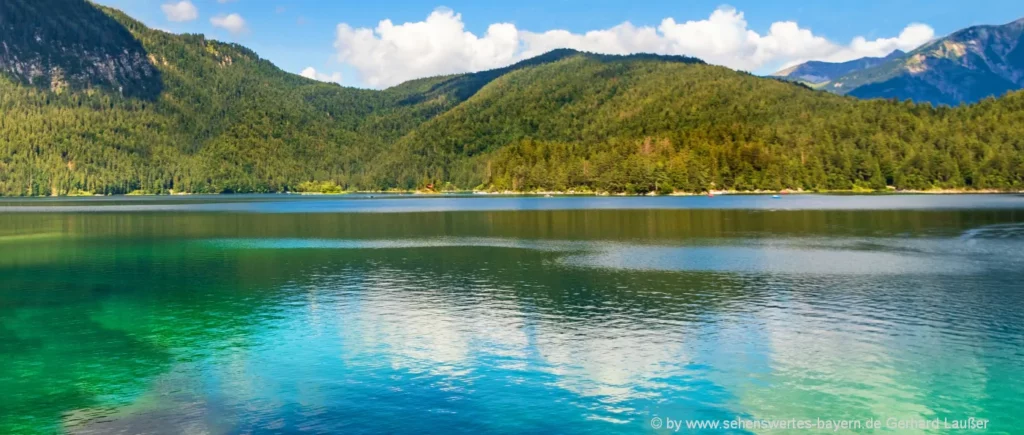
(563, 193)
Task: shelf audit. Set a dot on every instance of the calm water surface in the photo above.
(271, 314)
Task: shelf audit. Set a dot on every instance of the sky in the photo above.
(378, 44)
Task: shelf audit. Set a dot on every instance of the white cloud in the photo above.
(233, 23)
(912, 36)
(312, 73)
(180, 11)
(391, 54)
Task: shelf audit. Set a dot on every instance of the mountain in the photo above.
(964, 67)
(51, 52)
(95, 102)
(588, 123)
(820, 73)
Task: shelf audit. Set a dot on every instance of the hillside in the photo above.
(964, 67)
(613, 124)
(95, 102)
(820, 73)
(174, 112)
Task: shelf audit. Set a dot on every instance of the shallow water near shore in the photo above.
(401, 314)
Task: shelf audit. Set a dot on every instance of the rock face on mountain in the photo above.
(39, 48)
(820, 73)
(964, 67)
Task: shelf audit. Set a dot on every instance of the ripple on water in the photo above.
(998, 231)
(771, 259)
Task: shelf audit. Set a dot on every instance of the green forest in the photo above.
(117, 108)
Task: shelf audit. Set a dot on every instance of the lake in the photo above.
(467, 314)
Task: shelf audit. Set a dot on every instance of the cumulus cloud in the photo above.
(390, 54)
(312, 73)
(233, 23)
(180, 11)
(912, 36)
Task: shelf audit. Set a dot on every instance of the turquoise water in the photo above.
(270, 314)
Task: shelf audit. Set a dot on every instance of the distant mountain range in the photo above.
(94, 102)
(964, 67)
(816, 73)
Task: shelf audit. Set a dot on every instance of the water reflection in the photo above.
(485, 322)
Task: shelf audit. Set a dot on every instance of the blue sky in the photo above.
(758, 36)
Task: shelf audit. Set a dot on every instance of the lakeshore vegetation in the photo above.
(189, 114)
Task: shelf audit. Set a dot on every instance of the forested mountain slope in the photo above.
(115, 107)
(222, 120)
(616, 124)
